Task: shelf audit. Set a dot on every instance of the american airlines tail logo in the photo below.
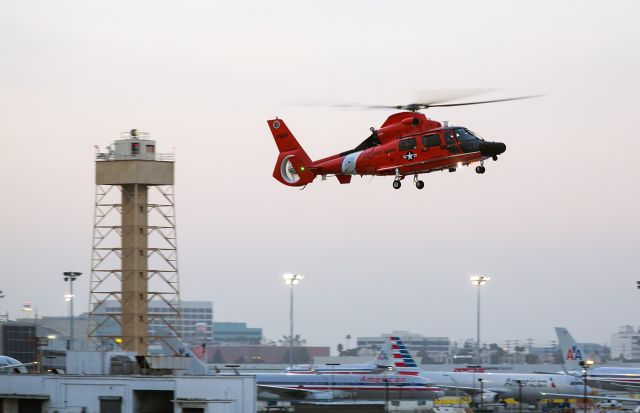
(382, 355)
(401, 355)
(574, 353)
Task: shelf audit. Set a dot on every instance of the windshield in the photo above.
(465, 135)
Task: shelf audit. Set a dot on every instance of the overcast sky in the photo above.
(554, 222)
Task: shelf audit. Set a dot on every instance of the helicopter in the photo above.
(408, 143)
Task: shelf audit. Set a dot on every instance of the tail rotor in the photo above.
(293, 167)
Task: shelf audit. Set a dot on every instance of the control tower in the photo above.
(134, 257)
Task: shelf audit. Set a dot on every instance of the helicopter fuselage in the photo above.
(408, 143)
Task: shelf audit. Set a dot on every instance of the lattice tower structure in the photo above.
(135, 253)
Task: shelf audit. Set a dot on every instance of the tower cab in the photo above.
(132, 145)
(135, 145)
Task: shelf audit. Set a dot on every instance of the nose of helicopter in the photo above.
(492, 148)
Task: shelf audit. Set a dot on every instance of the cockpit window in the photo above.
(464, 135)
(448, 138)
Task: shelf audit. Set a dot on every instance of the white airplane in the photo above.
(299, 386)
(379, 363)
(495, 387)
(482, 387)
(609, 378)
(11, 365)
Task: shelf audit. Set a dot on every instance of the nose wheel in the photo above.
(480, 169)
(396, 182)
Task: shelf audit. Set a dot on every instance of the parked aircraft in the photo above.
(609, 378)
(485, 387)
(379, 363)
(388, 386)
(11, 365)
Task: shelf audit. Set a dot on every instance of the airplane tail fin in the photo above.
(400, 358)
(293, 167)
(572, 354)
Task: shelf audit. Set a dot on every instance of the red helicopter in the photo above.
(407, 143)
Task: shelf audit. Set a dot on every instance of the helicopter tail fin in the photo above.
(293, 167)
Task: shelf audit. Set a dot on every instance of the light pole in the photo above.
(479, 281)
(333, 376)
(585, 364)
(27, 309)
(481, 393)
(455, 383)
(71, 277)
(291, 279)
(386, 388)
(3, 317)
(520, 384)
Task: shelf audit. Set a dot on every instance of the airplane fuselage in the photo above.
(506, 385)
(350, 386)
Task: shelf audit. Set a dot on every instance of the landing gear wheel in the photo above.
(480, 169)
(397, 184)
(419, 184)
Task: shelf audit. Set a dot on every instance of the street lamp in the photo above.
(2, 317)
(333, 376)
(291, 279)
(520, 384)
(71, 277)
(479, 281)
(386, 388)
(585, 364)
(27, 308)
(455, 383)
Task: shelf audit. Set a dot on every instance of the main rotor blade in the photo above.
(433, 96)
(433, 102)
(442, 105)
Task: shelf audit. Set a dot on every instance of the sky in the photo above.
(554, 222)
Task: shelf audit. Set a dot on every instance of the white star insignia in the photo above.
(409, 156)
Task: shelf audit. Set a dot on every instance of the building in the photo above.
(431, 349)
(121, 393)
(259, 354)
(18, 340)
(625, 344)
(195, 324)
(236, 333)
(57, 330)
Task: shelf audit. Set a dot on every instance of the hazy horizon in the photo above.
(554, 222)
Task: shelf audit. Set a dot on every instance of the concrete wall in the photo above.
(134, 172)
(67, 394)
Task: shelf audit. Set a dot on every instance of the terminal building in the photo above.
(195, 323)
(625, 344)
(236, 333)
(18, 341)
(433, 349)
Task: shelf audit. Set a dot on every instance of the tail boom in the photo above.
(293, 167)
